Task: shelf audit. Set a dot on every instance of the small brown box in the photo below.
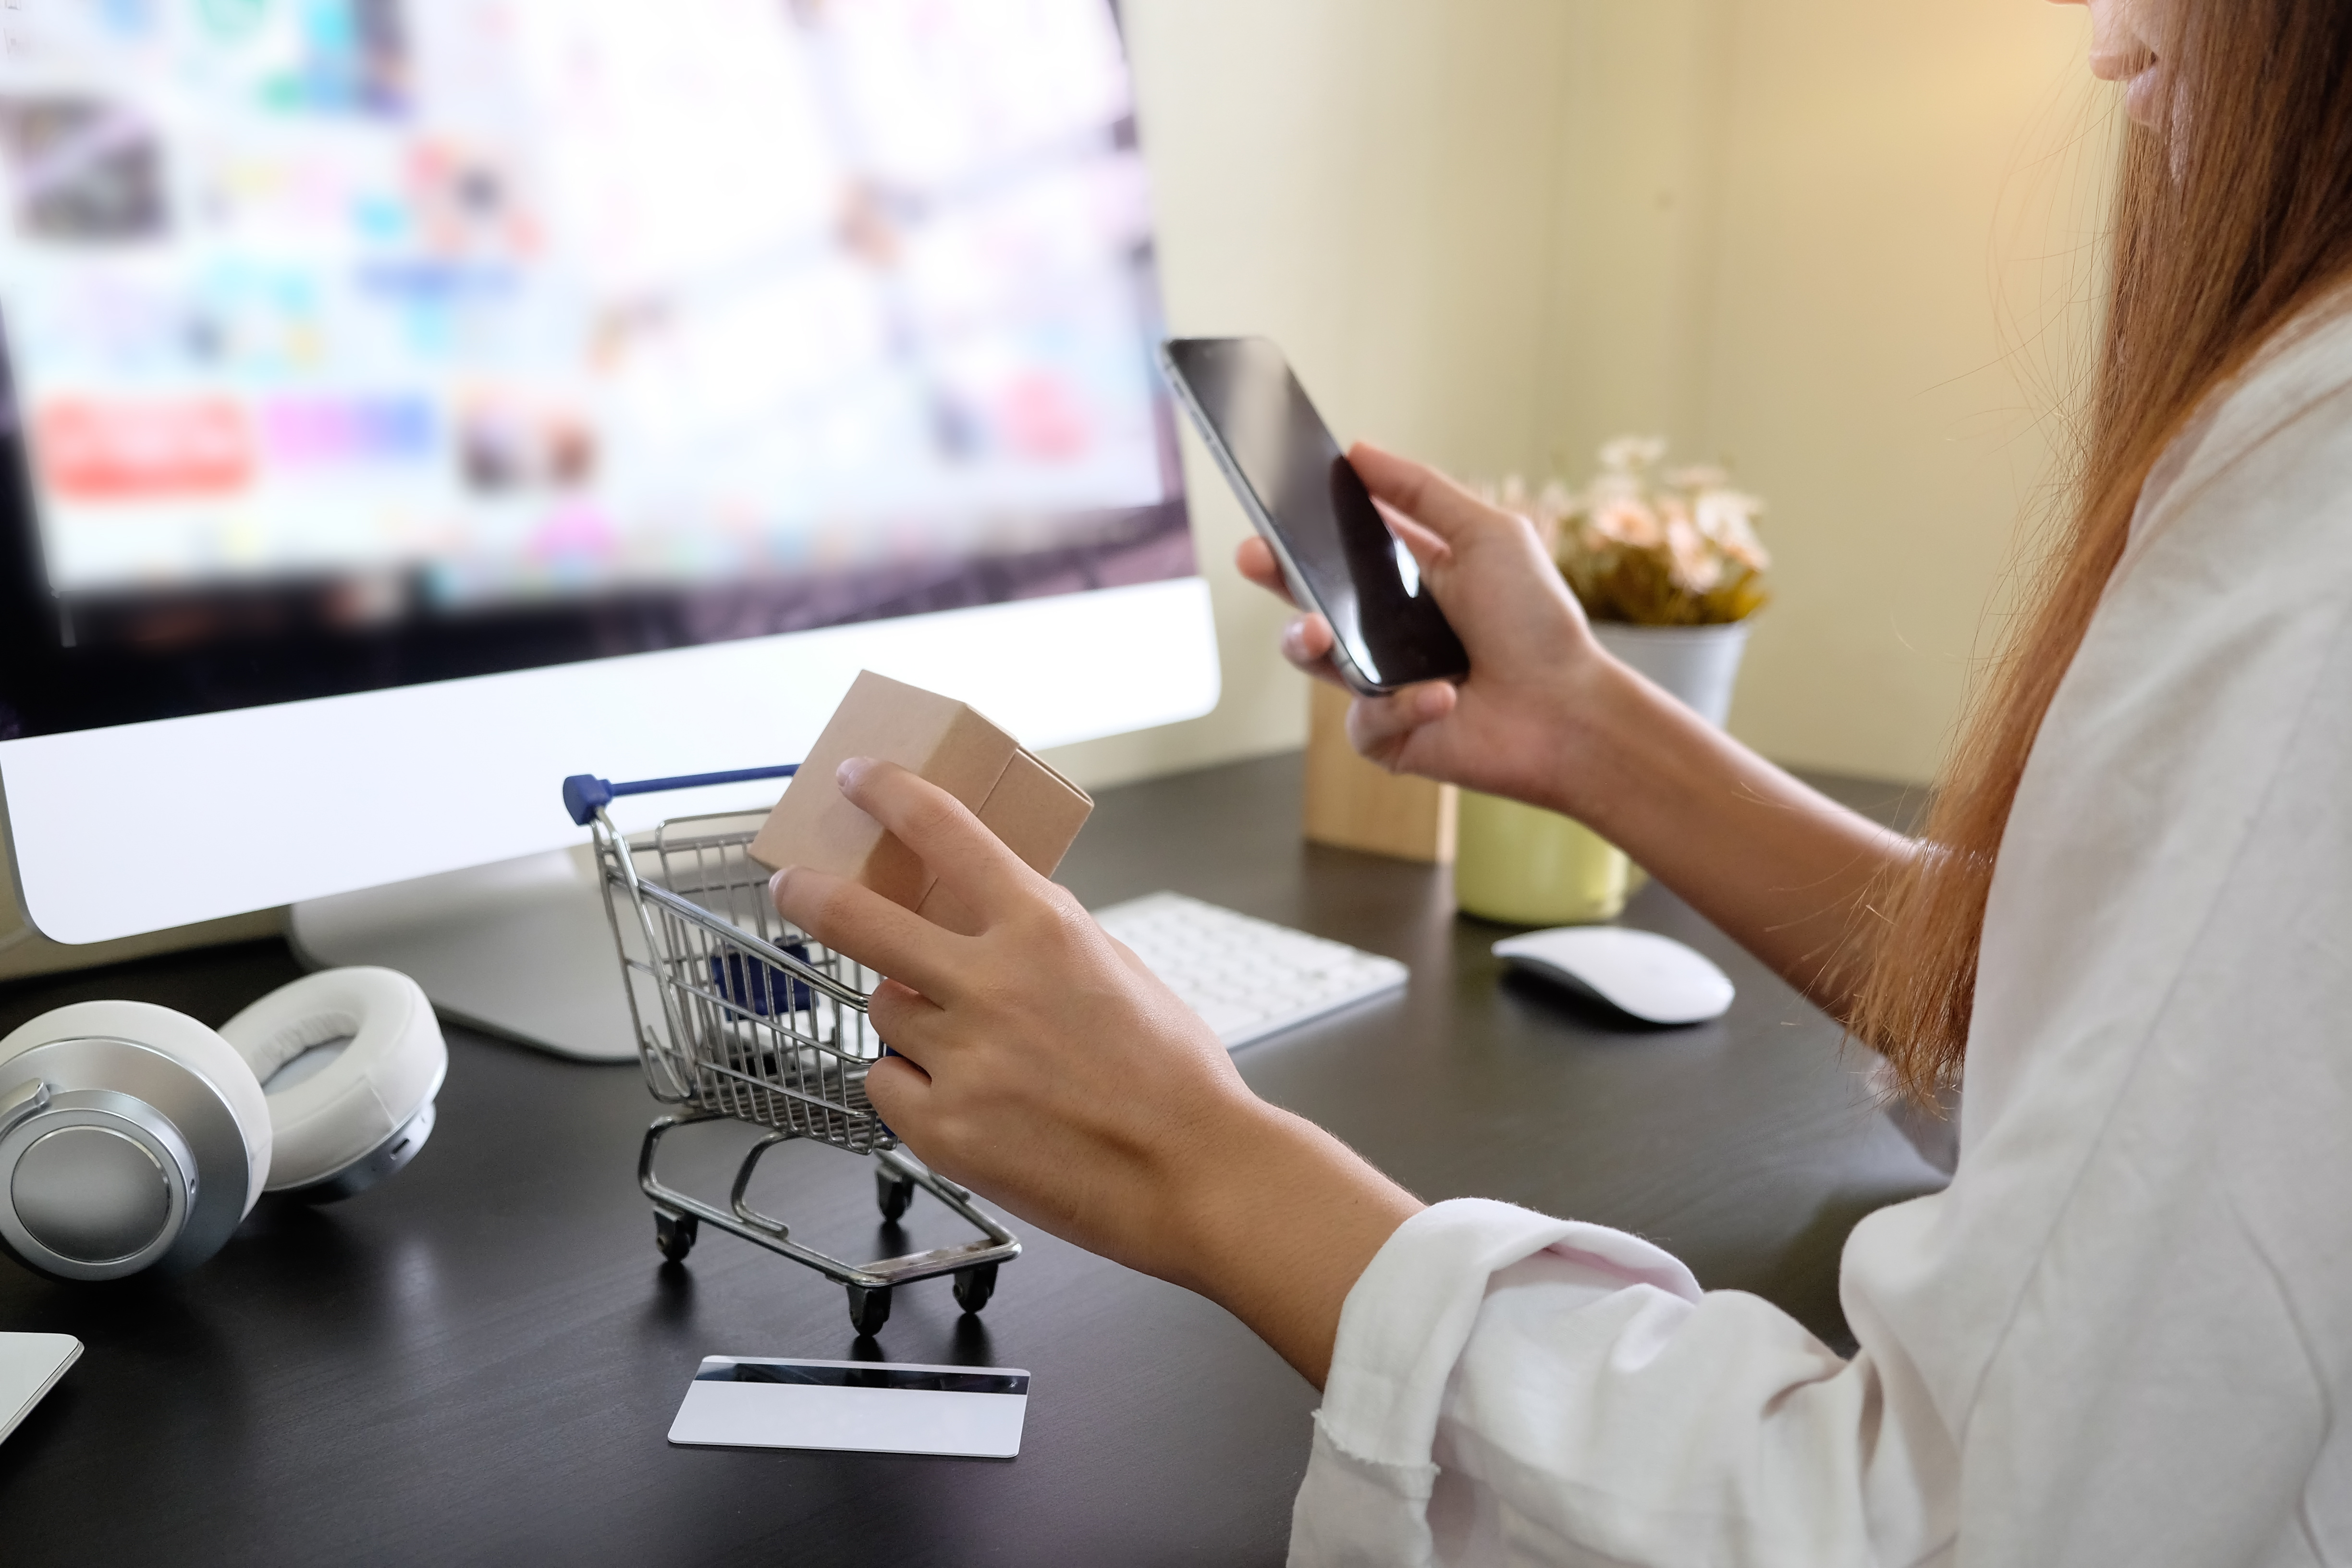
(1034, 810)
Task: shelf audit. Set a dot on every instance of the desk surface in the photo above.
(478, 1362)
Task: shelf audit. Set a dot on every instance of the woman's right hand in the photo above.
(1512, 727)
(1043, 1064)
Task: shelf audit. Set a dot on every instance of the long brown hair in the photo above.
(2231, 226)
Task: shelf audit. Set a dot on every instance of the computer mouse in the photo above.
(1653, 977)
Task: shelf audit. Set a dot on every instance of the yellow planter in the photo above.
(1515, 863)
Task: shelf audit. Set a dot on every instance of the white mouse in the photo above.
(1654, 978)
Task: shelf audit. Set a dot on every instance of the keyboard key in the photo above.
(1248, 978)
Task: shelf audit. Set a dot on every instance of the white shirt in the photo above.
(2123, 1333)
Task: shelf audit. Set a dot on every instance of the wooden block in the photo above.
(1355, 804)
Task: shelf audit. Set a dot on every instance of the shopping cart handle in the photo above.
(584, 795)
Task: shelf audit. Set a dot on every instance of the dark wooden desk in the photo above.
(478, 1362)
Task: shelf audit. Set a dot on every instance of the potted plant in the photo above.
(1668, 568)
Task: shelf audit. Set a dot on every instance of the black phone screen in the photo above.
(1357, 573)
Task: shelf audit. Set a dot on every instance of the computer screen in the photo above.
(411, 403)
(357, 344)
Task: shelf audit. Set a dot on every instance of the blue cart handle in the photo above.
(584, 795)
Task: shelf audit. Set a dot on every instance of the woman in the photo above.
(2124, 1331)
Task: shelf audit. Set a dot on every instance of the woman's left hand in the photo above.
(1041, 1064)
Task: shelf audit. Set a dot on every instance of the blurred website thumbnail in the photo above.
(510, 518)
(99, 450)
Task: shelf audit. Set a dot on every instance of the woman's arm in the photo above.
(1041, 1063)
(1548, 717)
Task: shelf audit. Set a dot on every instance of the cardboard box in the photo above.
(1034, 810)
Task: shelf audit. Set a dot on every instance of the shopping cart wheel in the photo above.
(975, 1285)
(893, 1191)
(868, 1309)
(675, 1233)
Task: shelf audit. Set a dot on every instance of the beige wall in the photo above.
(1496, 232)
(1851, 363)
(1371, 183)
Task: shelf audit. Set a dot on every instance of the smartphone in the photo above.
(1313, 511)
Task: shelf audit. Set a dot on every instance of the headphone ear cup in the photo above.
(183, 1039)
(363, 1113)
(95, 1094)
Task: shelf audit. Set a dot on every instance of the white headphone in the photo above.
(132, 1136)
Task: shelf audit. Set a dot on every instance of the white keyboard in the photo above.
(1249, 978)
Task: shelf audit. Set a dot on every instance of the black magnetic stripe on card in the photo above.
(920, 1378)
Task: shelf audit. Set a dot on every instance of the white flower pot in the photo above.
(1698, 665)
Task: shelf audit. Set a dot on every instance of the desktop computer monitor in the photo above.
(414, 401)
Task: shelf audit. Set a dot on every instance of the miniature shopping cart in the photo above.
(738, 1014)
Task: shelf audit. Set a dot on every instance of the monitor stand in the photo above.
(519, 949)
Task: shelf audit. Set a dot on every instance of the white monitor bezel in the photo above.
(142, 828)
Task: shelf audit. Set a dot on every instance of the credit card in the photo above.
(856, 1407)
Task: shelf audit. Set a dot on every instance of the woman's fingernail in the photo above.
(1431, 703)
(852, 769)
(776, 884)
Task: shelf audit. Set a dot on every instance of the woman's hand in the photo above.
(1548, 717)
(1041, 1064)
(1512, 727)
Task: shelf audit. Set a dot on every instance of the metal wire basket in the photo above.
(740, 1014)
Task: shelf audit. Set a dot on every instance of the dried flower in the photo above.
(1727, 518)
(1625, 519)
(1672, 548)
(1696, 567)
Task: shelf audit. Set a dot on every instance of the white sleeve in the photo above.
(1508, 1386)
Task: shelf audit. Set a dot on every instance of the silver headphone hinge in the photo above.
(27, 1098)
